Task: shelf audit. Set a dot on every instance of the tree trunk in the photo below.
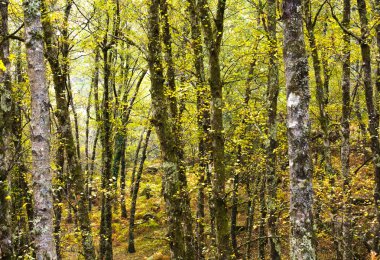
(40, 133)
(212, 39)
(203, 120)
(106, 215)
(272, 95)
(174, 177)
(76, 180)
(345, 147)
(22, 212)
(298, 123)
(135, 161)
(373, 125)
(6, 110)
(136, 186)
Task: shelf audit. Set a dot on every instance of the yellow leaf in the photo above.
(2, 67)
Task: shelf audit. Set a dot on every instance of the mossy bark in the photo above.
(6, 118)
(345, 146)
(298, 124)
(373, 116)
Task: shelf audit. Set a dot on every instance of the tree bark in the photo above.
(271, 161)
(174, 179)
(40, 133)
(76, 180)
(203, 120)
(373, 125)
(298, 124)
(213, 38)
(6, 118)
(345, 147)
(105, 136)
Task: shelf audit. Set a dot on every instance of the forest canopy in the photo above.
(193, 129)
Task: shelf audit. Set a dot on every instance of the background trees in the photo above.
(225, 89)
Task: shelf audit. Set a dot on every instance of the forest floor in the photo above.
(150, 229)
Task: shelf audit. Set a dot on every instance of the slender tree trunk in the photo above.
(40, 133)
(108, 184)
(272, 94)
(298, 123)
(203, 118)
(106, 215)
(92, 169)
(76, 180)
(240, 162)
(22, 213)
(136, 186)
(345, 147)
(6, 116)
(377, 82)
(135, 161)
(120, 142)
(262, 240)
(123, 163)
(320, 89)
(97, 118)
(373, 126)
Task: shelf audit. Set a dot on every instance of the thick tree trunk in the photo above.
(136, 186)
(298, 123)
(373, 125)
(345, 147)
(175, 115)
(212, 39)
(174, 179)
(6, 110)
(40, 133)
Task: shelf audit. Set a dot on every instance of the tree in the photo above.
(6, 118)
(345, 147)
(174, 180)
(59, 63)
(40, 133)
(213, 34)
(298, 123)
(373, 124)
(272, 94)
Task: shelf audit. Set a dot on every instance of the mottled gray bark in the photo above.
(271, 160)
(347, 233)
(373, 116)
(6, 109)
(298, 123)
(40, 133)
